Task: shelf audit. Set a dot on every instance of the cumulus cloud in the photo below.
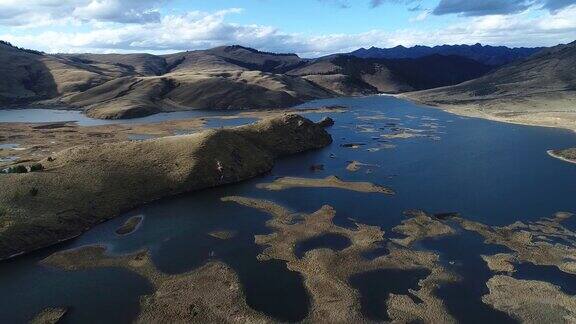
(200, 30)
(50, 12)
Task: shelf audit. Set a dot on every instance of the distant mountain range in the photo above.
(489, 55)
(131, 85)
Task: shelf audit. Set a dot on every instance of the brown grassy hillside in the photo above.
(85, 185)
(540, 90)
(112, 86)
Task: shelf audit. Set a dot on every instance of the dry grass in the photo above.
(85, 185)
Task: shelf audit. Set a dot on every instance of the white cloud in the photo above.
(421, 16)
(33, 13)
(200, 30)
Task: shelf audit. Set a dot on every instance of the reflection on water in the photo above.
(52, 116)
(8, 146)
(375, 287)
(9, 158)
(551, 274)
(489, 172)
(461, 253)
(376, 253)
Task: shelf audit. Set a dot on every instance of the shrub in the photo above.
(24, 168)
(36, 167)
(16, 169)
(22, 49)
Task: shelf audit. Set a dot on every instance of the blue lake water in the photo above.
(490, 172)
(53, 116)
(375, 286)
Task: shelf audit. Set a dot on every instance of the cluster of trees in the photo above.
(21, 49)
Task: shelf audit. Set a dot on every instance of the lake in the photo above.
(489, 172)
(40, 115)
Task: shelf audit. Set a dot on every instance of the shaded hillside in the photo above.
(486, 54)
(131, 85)
(29, 76)
(129, 64)
(539, 90)
(349, 75)
(230, 77)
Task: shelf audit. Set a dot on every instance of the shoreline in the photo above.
(471, 112)
(458, 110)
(561, 158)
(84, 110)
(39, 139)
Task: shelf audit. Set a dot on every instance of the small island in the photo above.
(130, 226)
(566, 155)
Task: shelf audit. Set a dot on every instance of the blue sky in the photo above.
(312, 17)
(307, 27)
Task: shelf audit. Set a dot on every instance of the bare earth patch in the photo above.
(501, 262)
(328, 182)
(530, 301)
(38, 141)
(354, 166)
(49, 315)
(567, 155)
(420, 226)
(130, 225)
(223, 235)
(543, 242)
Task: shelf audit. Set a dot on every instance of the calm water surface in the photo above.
(489, 172)
(53, 116)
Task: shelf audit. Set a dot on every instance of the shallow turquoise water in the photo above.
(487, 171)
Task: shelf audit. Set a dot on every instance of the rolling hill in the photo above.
(29, 76)
(350, 75)
(540, 90)
(230, 77)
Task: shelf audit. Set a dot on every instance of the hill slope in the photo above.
(131, 85)
(350, 75)
(111, 176)
(29, 76)
(540, 90)
(489, 55)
